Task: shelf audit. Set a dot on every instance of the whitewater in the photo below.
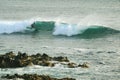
(58, 28)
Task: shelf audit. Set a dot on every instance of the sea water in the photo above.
(82, 30)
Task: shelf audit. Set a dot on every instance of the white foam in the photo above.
(68, 29)
(13, 26)
(78, 28)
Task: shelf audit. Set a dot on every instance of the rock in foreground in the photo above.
(12, 60)
(33, 77)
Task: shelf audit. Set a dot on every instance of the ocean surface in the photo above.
(82, 30)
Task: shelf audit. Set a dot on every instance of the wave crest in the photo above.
(14, 26)
(68, 29)
(57, 28)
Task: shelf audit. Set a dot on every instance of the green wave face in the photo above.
(99, 30)
(43, 25)
(90, 30)
(55, 28)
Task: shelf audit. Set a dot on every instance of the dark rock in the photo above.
(24, 55)
(84, 65)
(72, 65)
(38, 55)
(10, 60)
(34, 77)
(111, 52)
(61, 59)
(10, 54)
(30, 64)
(100, 51)
(47, 63)
(46, 57)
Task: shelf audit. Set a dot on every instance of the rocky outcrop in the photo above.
(12, 60)
(33, 77)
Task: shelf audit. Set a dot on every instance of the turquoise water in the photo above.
(74, 28)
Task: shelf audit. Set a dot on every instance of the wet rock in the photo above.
(30, 64)
(47, 63)
(84, 65)
(100, 51)
(61, 59)
(24, 55)
(46, 57)
(10, 55)
(111, 52)
(101, 62)
(33, 77)
(12, 60)
(72, 65)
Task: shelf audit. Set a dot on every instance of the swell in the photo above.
(56, 28)
(98, 32)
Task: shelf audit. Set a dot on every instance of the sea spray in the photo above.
(68, 29)
(14, 26)
(56, 27)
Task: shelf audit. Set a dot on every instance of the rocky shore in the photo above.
(12, 60)
(33, 77)
(16, 60)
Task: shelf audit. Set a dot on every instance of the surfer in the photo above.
(33, 26)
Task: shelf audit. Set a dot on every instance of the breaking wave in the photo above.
(57, 28)
(9, 27)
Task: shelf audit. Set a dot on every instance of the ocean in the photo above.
(82, 30)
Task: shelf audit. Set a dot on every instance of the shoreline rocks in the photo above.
(33, 77)
(12, 60)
